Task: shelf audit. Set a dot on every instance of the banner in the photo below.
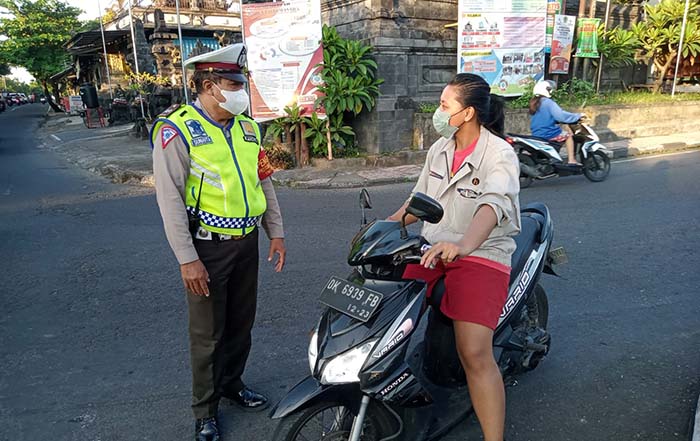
(503, 42)
(284, 50)
(562, 40)
(554, 7)
(587, 46)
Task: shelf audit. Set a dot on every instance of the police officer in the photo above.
(213, 189)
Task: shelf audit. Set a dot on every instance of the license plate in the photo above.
(351, 299)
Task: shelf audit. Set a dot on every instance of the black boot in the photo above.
(206, 429)
(248, 399)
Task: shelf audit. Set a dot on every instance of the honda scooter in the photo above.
(382, 358)
(539, 158)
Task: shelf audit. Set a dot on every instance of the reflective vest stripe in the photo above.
(211, 182)
(207, 172)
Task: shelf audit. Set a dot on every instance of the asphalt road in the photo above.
(93, 342)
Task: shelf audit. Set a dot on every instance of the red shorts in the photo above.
(475, 288)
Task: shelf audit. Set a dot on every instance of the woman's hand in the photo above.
(445, 251)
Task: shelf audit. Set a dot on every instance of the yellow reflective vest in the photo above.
(224, 161)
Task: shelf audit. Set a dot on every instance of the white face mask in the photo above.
(235, 101)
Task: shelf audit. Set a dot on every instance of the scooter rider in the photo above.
(473, 173)
(545, 116)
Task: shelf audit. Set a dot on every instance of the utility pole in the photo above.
(104, 48)
(136, 58)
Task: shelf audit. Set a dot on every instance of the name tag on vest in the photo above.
(248, 131)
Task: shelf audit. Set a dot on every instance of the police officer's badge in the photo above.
(199, 135)
(248, 131)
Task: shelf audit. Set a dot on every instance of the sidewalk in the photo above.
(112, 152)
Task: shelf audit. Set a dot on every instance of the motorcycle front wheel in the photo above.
(332, 421)
(596, 167)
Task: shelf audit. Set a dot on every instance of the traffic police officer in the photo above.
(213, 189)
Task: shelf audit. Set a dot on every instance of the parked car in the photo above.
(2, 105)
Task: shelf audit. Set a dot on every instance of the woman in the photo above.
(473, 173)
(546, 114)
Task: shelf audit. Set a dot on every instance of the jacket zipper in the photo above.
(227, 135)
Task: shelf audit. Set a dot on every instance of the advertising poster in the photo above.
(554, 7)
(284, 51)
(562, 40)
(588, 38)
(502, 41)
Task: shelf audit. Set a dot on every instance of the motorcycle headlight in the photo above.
(313, 351)
(345, 368)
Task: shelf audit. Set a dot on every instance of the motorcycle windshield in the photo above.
(378, 241)
(339, 332)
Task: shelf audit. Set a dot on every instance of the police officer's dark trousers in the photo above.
(220, 325)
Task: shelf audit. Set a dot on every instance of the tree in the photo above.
(36, 31)
(659, 36)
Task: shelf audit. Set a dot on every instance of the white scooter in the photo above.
(540, 159)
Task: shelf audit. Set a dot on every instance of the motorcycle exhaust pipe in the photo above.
(528, 170)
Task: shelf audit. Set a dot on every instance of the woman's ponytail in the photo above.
(496, 119)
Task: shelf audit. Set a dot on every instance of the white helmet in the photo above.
(544, 88)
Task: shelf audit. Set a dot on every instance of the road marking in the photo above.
(56, 138)
(662, 155)
(14, 109)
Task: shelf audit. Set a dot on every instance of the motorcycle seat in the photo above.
(537, 138)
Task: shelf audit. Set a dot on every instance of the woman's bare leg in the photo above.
(474, 345)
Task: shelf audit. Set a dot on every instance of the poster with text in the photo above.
(503, 41)
(588, 38)
(554, 7)
(562, 39)
(284, 51)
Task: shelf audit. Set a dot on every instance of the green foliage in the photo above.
(574, 93)
(36, 31)
(349, 75)
(317, 129)
(90, 25)
(618, 46)
(349, 86)
(659, 35)
(427, 107)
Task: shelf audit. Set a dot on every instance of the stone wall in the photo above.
(416, 57)
(610, 122)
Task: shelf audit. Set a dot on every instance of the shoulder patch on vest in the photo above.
(199, 135)
(167, 134)
(249, 134)
(170, 110)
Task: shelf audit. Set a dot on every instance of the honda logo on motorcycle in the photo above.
(394, 384)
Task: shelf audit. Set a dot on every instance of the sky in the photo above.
(90, 11)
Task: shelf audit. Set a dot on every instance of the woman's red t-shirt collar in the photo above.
(461, 155)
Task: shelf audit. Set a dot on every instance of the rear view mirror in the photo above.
(365, 201)
(365, 204)
(425, 208)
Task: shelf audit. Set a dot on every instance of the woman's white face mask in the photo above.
(235, 101)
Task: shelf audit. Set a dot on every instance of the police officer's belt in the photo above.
(203, 234)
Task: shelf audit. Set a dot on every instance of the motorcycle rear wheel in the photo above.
(525, 180)
(596, 167)
(332, 421)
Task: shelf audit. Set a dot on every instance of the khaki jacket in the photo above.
(489, 176)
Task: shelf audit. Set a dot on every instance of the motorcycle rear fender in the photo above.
(592, 146)
(309, 391)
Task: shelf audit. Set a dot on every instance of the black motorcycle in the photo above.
(539, 158)
(383, 359)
